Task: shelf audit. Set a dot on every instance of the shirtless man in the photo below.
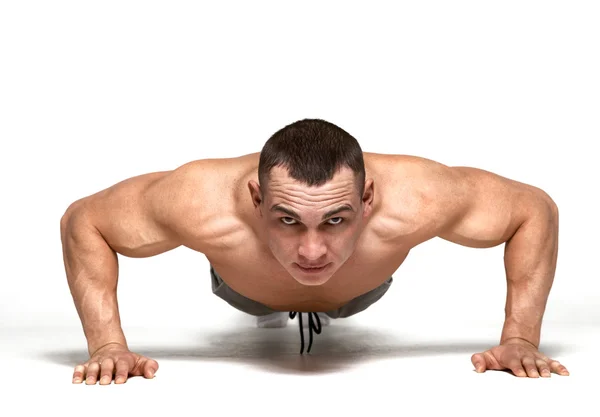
(310, 198)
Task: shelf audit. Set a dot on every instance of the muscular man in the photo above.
(310, 225)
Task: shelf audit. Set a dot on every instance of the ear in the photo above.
(368, 196)
(255, 193)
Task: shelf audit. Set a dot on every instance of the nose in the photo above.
(312, 246)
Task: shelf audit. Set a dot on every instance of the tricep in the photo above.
(135, 216)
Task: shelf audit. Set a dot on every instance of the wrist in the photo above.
(518, 340)
(95, 350)
(521, 329)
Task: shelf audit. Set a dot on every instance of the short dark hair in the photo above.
(312, 151)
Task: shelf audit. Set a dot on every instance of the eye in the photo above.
(286, 221)
(341, 219)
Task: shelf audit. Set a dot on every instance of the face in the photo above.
(312, 226)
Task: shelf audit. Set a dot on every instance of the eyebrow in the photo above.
(292, 213)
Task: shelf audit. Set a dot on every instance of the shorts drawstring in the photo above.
(311, 326)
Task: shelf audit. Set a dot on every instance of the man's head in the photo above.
(306, 171)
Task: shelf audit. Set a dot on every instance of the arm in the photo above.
(488, 210)
(530, 257)
(137, 217)
(91, 268)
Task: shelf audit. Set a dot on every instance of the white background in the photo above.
(92, 93)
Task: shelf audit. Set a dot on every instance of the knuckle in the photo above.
(122, 364)
(516, 364)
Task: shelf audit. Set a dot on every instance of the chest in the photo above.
(255, 274)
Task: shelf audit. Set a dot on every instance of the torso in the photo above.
(245, 263)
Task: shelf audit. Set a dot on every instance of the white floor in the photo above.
(354, 368)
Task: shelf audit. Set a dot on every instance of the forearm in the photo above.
(92, 273)
(530, 263)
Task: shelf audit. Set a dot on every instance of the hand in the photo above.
(114, 359)
(521, 357)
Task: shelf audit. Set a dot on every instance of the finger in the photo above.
(150, 367)
(92, 373)
(144, 367)
(106, 373)
(543, 357)
(543, 368)
(517, 367)
(121, 372)
(558, 368)
(479, 363)
(78, 374)
(530, 367)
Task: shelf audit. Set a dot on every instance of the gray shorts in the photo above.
(242, 303)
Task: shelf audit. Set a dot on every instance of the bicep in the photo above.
(484, 209)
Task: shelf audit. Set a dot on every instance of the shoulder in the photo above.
(421, 195)
(212, 177)
(418, 179)
(206, 193)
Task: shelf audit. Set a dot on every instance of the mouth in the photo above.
(312, 270)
